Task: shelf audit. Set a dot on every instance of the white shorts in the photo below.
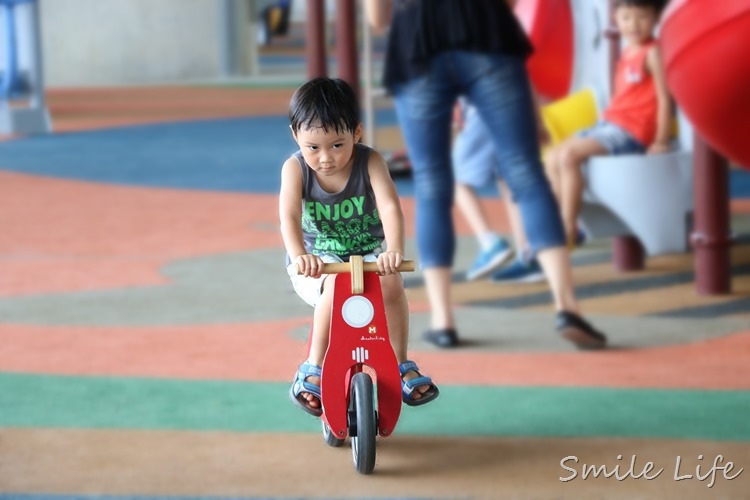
(310, 289)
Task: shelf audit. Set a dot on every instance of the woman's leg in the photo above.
(503, 96)
(514, 219)
(424, 109)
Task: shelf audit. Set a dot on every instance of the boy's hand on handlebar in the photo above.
(310, 266)
(388, 262)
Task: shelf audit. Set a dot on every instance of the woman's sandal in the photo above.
(409, 386)
(442, 337)
(301, 385)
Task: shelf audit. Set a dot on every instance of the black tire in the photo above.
(361, 404)
(330, 438)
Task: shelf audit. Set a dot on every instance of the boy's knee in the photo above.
(550, 164)
(569, 158)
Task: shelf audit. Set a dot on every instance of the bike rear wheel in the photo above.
(361, 408)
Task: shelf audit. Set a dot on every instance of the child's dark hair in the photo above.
(327, 103)
(658, 5)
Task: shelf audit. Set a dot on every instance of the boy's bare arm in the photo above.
(290, 209)
(664, 105)
(389, 209)
(290, 216)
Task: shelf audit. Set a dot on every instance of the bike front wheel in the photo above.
(362, 411)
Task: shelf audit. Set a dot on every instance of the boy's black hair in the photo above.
(658, 5)
(327, 103)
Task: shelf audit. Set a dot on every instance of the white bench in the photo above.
(646, 196)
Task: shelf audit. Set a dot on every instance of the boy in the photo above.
(475, 165)
(637, 119)
(337, 199)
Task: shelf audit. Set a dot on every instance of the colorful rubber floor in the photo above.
(148, 335)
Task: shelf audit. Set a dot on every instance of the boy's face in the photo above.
(636, 24)
(327, 153)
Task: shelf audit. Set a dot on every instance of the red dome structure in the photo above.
(549, 25)
(705, 47)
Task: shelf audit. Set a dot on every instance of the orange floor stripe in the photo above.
(64, 235)
(266, 352)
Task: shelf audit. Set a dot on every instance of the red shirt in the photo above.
(634, 103)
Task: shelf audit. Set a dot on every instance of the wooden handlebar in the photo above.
(357, 268)
(372, 267)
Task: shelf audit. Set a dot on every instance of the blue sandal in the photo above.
(300, 385)
(408, 387)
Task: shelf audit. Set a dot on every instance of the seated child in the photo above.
(332, 171)
(637, 119)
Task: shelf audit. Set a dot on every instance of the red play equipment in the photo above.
(358, 339)
(706, 45)
(549, 25)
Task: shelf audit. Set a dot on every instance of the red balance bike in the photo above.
(359, 338)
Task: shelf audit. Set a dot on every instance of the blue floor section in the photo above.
(236, 155)
(739, 184)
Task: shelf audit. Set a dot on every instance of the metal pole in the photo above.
(711, 234)
(11, 62)
(38, 99)
(346, 42)
(227, 48)
(368, 97)
(249, 26)
(316, 39)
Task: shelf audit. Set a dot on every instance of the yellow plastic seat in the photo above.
(568, 115)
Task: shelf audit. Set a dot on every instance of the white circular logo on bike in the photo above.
(357, 311)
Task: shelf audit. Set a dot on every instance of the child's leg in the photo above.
(552, 170)
(397, 315)
(321, 324)
(571, 155)
(471, 208)
(319, 337)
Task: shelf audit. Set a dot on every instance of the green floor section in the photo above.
(88, 402)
